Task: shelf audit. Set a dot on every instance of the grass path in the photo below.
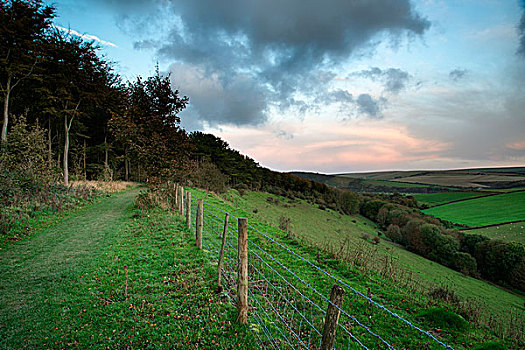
(105, 278)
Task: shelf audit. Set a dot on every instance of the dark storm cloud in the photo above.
(394, 79)
(457, 74)
(281, 46)
(521, 33)
(370, 106)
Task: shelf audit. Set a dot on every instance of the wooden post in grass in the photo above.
(176, 187)
(188, 210)
(242, 276)
(221, 254)
(200, 214)
(181, 200)
(332, 317)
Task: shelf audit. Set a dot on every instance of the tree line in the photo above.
(472, 254)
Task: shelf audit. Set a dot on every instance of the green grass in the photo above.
(432, 199)
(326, 227)
(102, 278)
(508, 233)
(483, 211)
(405, 299)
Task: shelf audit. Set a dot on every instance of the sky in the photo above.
(331, 86)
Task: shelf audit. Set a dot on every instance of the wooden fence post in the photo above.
(181, 200)
(188, 210)
(200, 214)
(242, 276)
(332, 317)
(176, 187)
(221, 254)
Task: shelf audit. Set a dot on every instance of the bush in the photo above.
(470, 241)
(24, 172)
(394, 233)
(489, 346)
(464, 263)
(284, 224)
(497, 260)
(442, 318)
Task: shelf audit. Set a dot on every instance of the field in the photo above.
(490, 178)
(326, 227)
(509, 232)
(460, 179)
(483, 211)
(433, 199)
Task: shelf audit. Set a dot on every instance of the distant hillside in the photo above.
(424, 181)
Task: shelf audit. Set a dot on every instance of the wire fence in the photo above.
(288, 295)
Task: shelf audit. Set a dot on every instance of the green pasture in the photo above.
(483, 211)
(509, 233)
(432, 199)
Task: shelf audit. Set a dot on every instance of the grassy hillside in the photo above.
(509, 232)
(408, 295)
(483, 211)
(326, 227)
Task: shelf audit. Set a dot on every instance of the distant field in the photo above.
(381, 175)
(432, 199)
(508, 233)
(393, 184)
(329, 227)
(483, 211)
(459, 179)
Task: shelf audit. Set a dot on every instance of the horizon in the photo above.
(332, 87)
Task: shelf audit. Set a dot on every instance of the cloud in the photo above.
(87, 37)
(521, 34)
(457, 74)
(276, 48)
(370, 106)
(215, 99)
(394, 79)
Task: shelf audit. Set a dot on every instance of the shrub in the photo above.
(440, 317)
(445, 294)
(470, 241)
(497, 260)
(24, 172)
(464, 263)
(394, 233)
(284, 224)
(489, 346)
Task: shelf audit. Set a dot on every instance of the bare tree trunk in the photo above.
(49, 150)
(6, 110)
(85, 171)
(67, 127)
(126, 165)
(66, 151)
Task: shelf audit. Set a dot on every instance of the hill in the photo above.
(424, 181)
(283, 263)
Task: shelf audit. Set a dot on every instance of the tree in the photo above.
(76, 81)
(23, 25)
(150, 127)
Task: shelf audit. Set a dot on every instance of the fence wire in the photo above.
(287, 311)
